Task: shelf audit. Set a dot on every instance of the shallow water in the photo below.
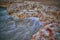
(12, 28)
(18, 30)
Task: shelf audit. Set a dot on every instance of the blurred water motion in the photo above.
(3, 14)
(18, 30)
(28, 21)
(3, 11)
(22, 29)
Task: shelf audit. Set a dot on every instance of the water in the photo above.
(12, 29)
(3, 14)
(18, 30)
